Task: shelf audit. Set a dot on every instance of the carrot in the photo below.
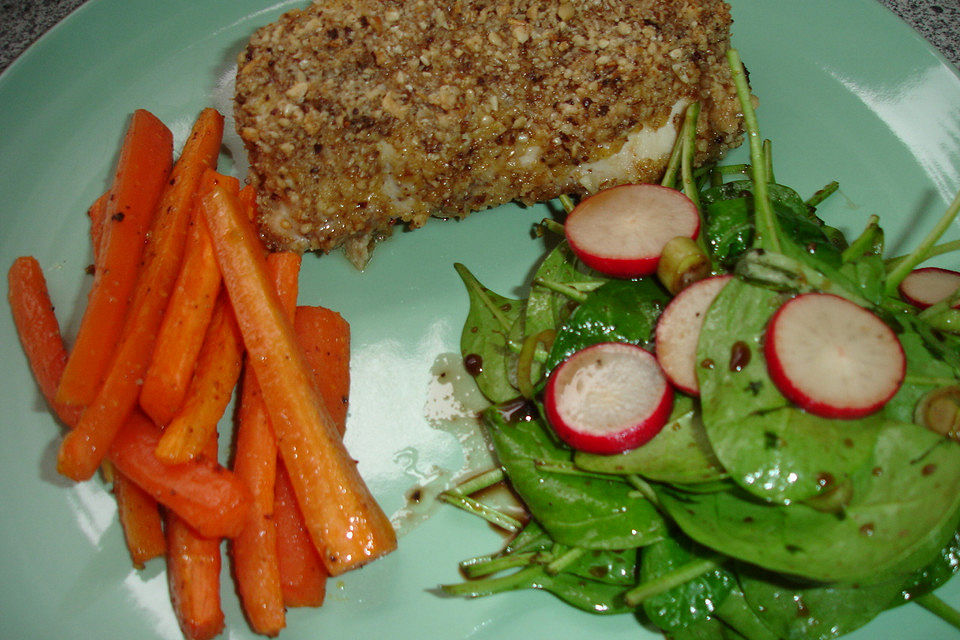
(248, 200)
(255, 549)
(141, 172)
(216, 374)
(140, 519)
(39, 332)
(303, 578)
(324, 337)
(98, 222)
(183, 328)
(203, 493)
(193, 574)
(83, 448)
(343, 518)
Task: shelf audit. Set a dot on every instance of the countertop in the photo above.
(23, 21)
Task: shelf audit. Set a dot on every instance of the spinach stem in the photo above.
(673, 164)
(941, 307)
(552, 225)
(928, 381)
(686, 158)
(564, 560)
(568, 469)
(733, 169)
(766, 225)
(681, 575)
(864, 242)
(484, 511)
(822, 194)
(526, 359)
(939, 608)
(489, 566)
(478, 482)
(563, 289)
(922, 252)
(644, 488)
(488, 586)
(768, 159)
(936, 250)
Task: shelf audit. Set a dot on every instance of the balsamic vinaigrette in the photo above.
(739, 356)
(473, 363)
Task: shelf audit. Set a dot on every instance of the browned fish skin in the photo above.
(356, 113)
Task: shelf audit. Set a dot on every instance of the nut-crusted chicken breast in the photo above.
(357, 114)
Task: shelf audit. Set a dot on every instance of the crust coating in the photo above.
(359, 113)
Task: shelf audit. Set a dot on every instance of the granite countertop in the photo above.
(26, 20)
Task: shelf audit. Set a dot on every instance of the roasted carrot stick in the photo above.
(193, 574)
(140, 519)
(254, 551)
(39, 332)
(83, 448)
(141, 173)
(183, 328)
(343, 518)
(324, 337)
(98, 222)
(303, 578)
(218, 369)
(205, 494)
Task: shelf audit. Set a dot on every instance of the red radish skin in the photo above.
(621, 231)
(608, 398)
(678, 332)
(832, 357)
(929, 285)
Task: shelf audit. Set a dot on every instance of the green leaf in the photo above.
(680, 453)
(618, 311)
(485, 334)
(772, 449)
(690, 603)
(575, 509)
(814, 612)
(904, 506)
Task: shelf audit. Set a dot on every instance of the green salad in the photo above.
(746, 513)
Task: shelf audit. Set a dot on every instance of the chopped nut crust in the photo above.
(359, 113)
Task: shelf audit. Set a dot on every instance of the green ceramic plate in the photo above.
(848, 92)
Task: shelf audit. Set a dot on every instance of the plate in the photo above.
(879, 112)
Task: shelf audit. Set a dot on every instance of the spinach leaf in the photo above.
(904, 506)
(690, 603)
(575, 509)
(814, 612)
(922, 364)
(772, 449)
(618, 311)
(729, 211)
(484, 339)
(680, 453)
(944, 566)
(545, 308)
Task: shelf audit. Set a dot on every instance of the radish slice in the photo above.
(927, 286)
(833, 357)
(678, 332)
(608, 398)
(621, 231)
